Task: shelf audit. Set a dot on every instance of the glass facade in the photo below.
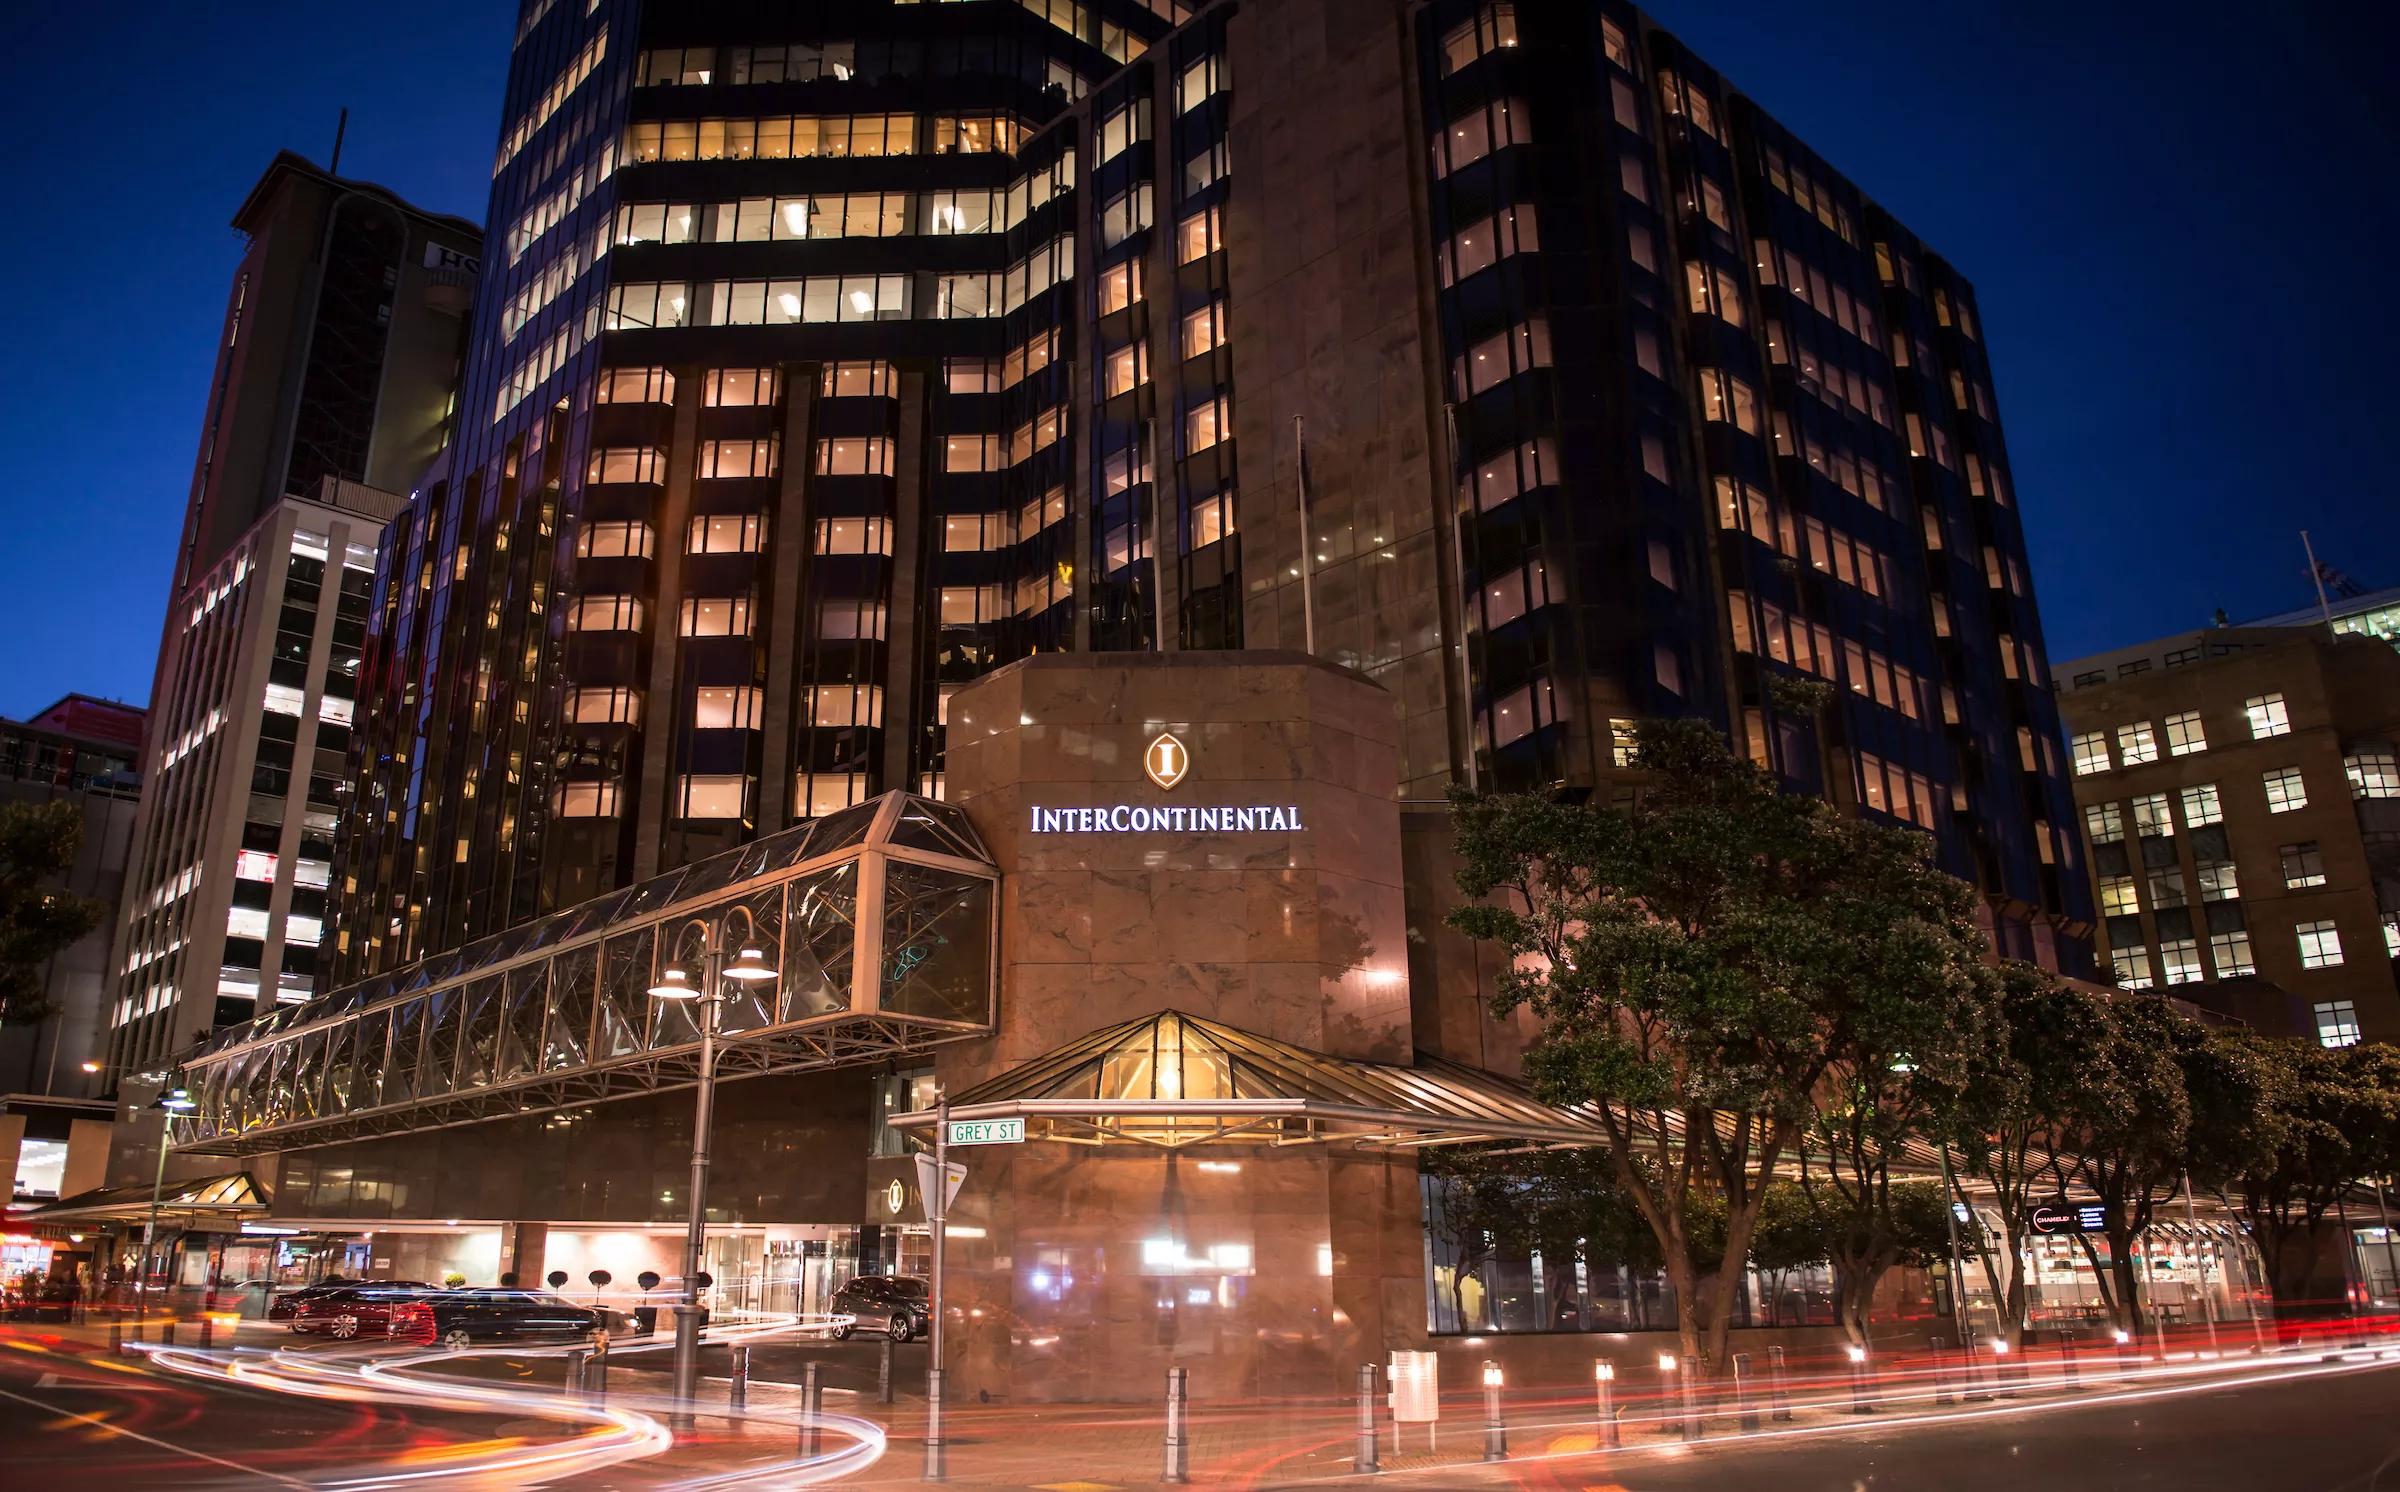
(559, 1012)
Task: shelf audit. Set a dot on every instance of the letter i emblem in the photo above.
(1167, 761)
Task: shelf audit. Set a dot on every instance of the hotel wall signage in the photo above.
(1166, 762)
(2068, 1217)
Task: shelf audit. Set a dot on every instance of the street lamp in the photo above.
(172, 1102)
(748, 966)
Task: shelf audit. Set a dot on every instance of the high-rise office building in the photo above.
(334, 383)
(828, 362)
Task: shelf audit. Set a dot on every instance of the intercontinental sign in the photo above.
(1166, 762)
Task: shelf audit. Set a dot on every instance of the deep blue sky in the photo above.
(2180, 219)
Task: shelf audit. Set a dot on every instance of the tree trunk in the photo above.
(1687, 1310)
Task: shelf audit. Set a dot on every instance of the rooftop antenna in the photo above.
(2316, 573)
(340, 128)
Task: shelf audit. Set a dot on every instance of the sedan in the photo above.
(349, 1312)
(461, 1318)
(287, 1305)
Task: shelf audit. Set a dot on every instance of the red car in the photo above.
(368, 1310)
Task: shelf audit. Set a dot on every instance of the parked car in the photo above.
(895, 1304)
(287, 1305)
(348, 1312)
(459, 1318)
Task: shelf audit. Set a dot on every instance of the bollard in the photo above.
(812, 1408)
(1943, 1395)
(1178, 1449)
(737, 1391)
(577, 1357)
(1604, 1377)
(883, 1375)
(2124, 1348)
(1974, 1386)
(166, 1332)
(1778, 1386)
(116, 1337)
(1495, 1434)
(2066, 1356)
(595, 1373)
(1679, 1377)
(937, 1460)
(1745, 1407)
(1860, 1402)
(208, 1331)
(2000, 1367)
(1368, 1458)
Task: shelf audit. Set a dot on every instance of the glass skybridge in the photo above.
(878, 920)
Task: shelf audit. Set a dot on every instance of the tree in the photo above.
(1790, 1234)
(1700, 956)
(38, 920)
(2129, 1122)
(2017, 1096)
(2319, 1123)
(1486, 1209)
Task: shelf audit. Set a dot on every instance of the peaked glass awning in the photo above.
(879, 921)
(233, 1194)
(1172, 1079)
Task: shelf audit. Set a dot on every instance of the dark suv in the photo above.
(894, 1304)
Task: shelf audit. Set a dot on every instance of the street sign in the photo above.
(2059, 1218)
(925, 1193)
(987, 1131)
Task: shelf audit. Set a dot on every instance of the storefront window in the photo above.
(901, 1093)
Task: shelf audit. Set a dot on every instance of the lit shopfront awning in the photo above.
(878, 920)
(235, 1194)
(1171, 1080)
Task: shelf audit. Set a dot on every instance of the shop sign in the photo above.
(2062, 1217)
(987, 1131)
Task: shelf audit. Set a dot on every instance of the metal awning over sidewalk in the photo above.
(1171, 1080)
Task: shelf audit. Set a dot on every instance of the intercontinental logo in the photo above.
(1166, 761)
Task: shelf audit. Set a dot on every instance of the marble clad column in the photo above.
(1262, 1271)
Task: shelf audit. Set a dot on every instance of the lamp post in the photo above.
(170, 1103)
(675, 983)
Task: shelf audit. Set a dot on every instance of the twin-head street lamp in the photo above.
(172, 1101)
(748, 966)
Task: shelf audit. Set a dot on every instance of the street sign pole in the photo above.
(937, 1208)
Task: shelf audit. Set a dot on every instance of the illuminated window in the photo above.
(2267, 716)
(2184, 735)
(2118, 897)
(2180, 959)
(2218, 880)
(2374, 772)
(834, 705)
(726, 533)
(2132, 967)
(587, 800)
(605, 614)
(742, 387)
(2201, 806)
(2320, 945)
(1492, 27)
(2105, 822)
(2285, 790)
(730, 708)
(2136, 744)
(2303, 865)
(2337, 1022)
(2150, 816)
(716, 616)
(604, 706)
(613, 541)
(854, 536)
(711, 795)
(2230, 952)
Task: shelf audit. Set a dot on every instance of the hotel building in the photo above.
(891, 443)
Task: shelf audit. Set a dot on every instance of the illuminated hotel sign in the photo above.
(1166, 762)
(1132, 818)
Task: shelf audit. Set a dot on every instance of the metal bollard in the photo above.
(1861, 1402)
(1942, 1393)
(576, 1359)
(1778, 1385)
(883, 1375)
(937, 1460)
(1495, 1433)
(116, 1338)
(1974, 1363)
(1745, 1407)
(1368, 1458)
(1604, 1378)
(812, 1409)
(2066, 1355)
(208, 1332)
(595, 1373)
(1679, 1377)
(1177, 1464)
(166, 1332)
(2001, 1362)
(2124, 1348)
(737, 1391)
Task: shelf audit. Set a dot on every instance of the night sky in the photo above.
(2180, 219)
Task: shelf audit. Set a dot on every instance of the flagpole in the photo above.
(2318, 576)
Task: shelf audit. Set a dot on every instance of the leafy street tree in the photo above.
(2318, 1124)
(1790, 1235)
(2130, 1119)
(1703, 958)
(38, 920)
(2018, 1097)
